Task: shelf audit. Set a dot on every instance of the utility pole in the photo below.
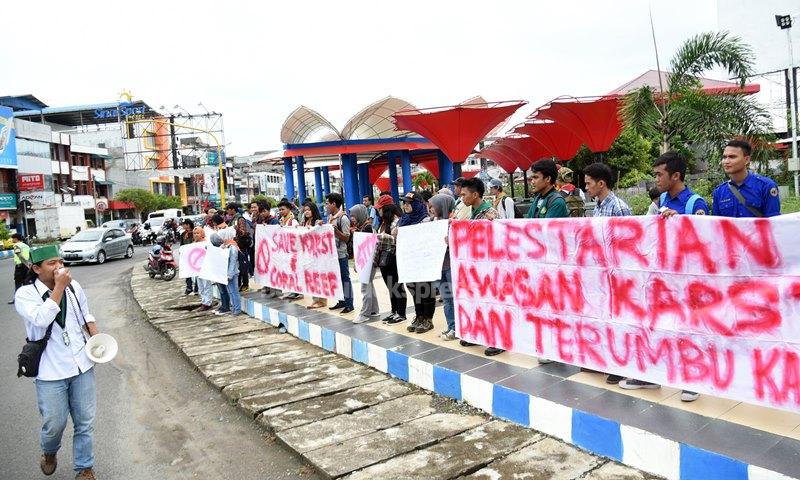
(784, 22)
(174, 146)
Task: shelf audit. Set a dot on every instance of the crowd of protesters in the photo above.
(745, 194)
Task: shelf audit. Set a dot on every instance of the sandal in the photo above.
(315, 305)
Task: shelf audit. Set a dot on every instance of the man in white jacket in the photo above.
(502, 202)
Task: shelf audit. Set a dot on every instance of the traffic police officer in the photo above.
(746, 194)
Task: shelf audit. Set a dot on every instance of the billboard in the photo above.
(30, 181)
(8, 139)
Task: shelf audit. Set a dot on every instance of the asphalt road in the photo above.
(156, 417)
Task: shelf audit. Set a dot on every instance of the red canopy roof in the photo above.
(529, 150)
(457, 129)
(557, 139)
(594, 121)
(499, 155)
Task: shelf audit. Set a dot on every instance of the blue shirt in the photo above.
(678, 203)
(612, 206)
(760, 193)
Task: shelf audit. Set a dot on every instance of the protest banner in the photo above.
(298, 260)
(190, 259)
(215, 265)
(420, 251)
(364, 245)
(703, 303)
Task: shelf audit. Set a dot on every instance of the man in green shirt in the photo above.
(22, 257)
(547, 202)
(472, 191)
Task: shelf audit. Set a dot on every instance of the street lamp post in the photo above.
(784, 22)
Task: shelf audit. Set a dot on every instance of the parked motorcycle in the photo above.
(160, 261)
(136, 235)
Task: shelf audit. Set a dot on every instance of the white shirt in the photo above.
(59, 361)
(505, 209)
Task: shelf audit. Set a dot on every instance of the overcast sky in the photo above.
(255, 62)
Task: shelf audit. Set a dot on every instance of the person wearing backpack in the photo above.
(676, 199)
(547, 201)
(745, 194)
(502, 202)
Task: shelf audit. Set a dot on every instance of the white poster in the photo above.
(298, 260)
(190, 259)
(364, 245)
(420, 251)
(215, 265)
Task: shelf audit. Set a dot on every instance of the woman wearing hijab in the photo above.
(310, 219)
(361, 222)
(204, 287)
(423, 293)
(386, 258)
(442, 206)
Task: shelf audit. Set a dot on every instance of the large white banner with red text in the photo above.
(697, 302)
(298, 260)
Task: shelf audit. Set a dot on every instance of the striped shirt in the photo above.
(612, 206)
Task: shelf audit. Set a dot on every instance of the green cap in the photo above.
(46, 252)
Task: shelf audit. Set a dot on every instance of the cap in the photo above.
(40, 254)
(410, 197)
(495, 183)
(212, 211)
(458, 181)
(384, 201)
(565, 174)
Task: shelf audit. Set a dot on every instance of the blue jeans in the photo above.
(347, 287)
(446, 290)
(233, 293)
(74, 396)
(224, 298)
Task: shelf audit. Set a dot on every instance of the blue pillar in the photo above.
(288, 175)
(318, 184)
(301, 178)
(445, 169)
(326, 178)
(350, 179)
(456, 170)
(363, 180)
(405, 164)
(393, 177)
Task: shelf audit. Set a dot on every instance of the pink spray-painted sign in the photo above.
(298, 260)
(703, 303)
(190, 259)
(364, 245)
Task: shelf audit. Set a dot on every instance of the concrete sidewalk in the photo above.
(350, 420)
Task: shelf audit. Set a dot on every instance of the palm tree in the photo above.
(684, 111)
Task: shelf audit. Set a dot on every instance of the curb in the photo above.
(6, 254)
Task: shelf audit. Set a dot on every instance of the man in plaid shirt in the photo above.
(599, 181)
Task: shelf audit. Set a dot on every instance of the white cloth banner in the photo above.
(298, 260)
(420, 251)
(695, 302)
(364, 245)
(190, 259)
(215, 265)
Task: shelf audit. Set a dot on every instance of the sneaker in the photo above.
(396, 319)
(687, 396)
(414, 324)
(389, 319)
(543, 361)
(337, 306)
(633, 384)
(448, 335)
(347, 310)
(187, 293)
(85, 474)
(281, 329)
(465, 343)
(361, 319)
(222, 312)
(48, 463)
(492, 351)
(195, 293)
(425, 325)
(614, 379)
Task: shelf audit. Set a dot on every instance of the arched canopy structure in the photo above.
(375, 121)
(594, 120)
(557, 139)
(304, 124)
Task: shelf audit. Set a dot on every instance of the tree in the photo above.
(423, 179)
(162, 202)
(684, 111)
(142, 199)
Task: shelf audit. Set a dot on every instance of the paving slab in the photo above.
(615, 471)
(234, 342)
(266, 382)
(322, 407)
(458, 455)
(343, 427)
(338, 459)
(275, 373)
(290, 354)
(548, 459)
(195, 337)
(240, 354)
(186, 324)
(346, 378)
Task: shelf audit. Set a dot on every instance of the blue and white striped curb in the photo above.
(6, 254)
(629, 445)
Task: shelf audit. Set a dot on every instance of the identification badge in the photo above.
(65, 336)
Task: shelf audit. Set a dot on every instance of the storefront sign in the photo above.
(8, 139)
(38, 199)
(30, 181)
(101, 204)
(124, 110)
(8, 201)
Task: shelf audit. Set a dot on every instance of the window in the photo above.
(33, 148)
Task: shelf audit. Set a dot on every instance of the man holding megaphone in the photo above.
(56, 314)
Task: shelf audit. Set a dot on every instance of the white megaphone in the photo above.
(101, 348)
